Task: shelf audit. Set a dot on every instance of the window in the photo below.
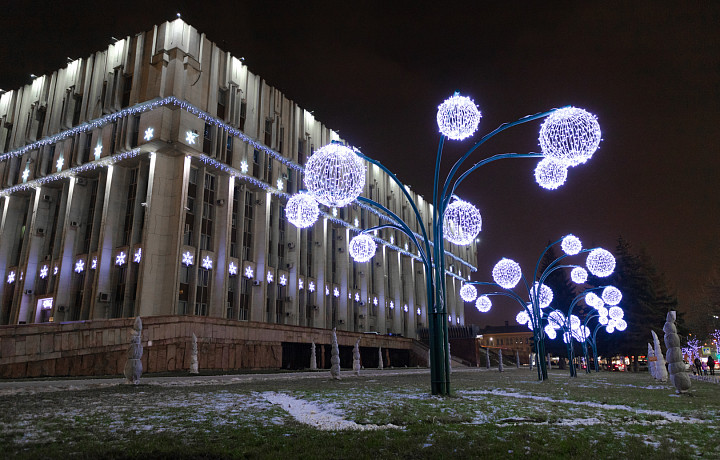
(248, 227)
(221, 103)
(127, 87)
(208, 212)
(256, 163)
(243, 114)
(234, 218)
(40, 118)
(135, 135)
(202, 294)
(301, 151)
(190, 208)
(281, 136)
(207, 139)
(268, 132)
(229, 150)
(130, 206)
(244, 307)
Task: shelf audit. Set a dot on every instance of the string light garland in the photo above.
(458, 117)
(462, 223)
(362, 248)
(483, 304)
(335, 175)
(570, 135)
(611, 295)
(571, 245)
(468, 292)
(600, 262)
(578, 275)
(507, 273)
(302, 210)
(550, 174)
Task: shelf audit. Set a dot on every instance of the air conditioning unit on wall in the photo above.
(104, 297)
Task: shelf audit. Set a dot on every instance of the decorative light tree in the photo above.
(335, 176)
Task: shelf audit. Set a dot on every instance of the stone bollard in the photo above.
(335, 357)
(356, 357)
(133, 366)
(313, 357)
(194, 356)
(500, 363)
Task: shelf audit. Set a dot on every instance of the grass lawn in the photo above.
(380, 414)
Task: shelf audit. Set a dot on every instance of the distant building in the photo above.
(150, 179)
(516, 338)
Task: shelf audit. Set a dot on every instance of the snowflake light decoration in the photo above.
(611, 295)
(462, 223)
(79, 266)
(232, 269)
(458, 117)
(98, 151)
(335, 175)
(362, 248)
(93, 264)
(334, 212)
(149, 133)
(25, 174)
(55, 270)
(11, 277)
(550, 174)
(311, 286)
(419, 312)
(545, 294)
(120, 259)
(570, 135)
(60, 163)
(600, 262)
(249, 272)
(571, 245)
(301, 284)
(483, 304)
(356, 222)
(279, 184)
(269, 277)
(44, 272)
(187, 258)
(190, 137)
(327, 290)
(593, 300)
(578, 275)
(283, 280)
(392, 305)
(405, 308)
(357, 297)
(336, 292)
(375, 301)
(137, 256)
(468, 292)
(243, 167)
(507, 273)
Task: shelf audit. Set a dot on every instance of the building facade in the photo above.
(150, 179)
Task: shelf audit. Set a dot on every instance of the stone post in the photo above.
(356, 357)
(313, 357)
(380, 361)
(500, 363)
(517, 359)
(487, 358)
(194, 356)
(335, 357)
(133, 366)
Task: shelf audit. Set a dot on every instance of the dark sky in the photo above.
(650, 71)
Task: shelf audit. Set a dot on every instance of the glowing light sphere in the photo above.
(616, 313)
(579, 275)
(462, 222)
(483, 304)
(335, 175)
(600, 262)
(593, 300)
(458, 117)
(362, 248)
(556, 319)
(611, 295)
(603, 320)
(581, 333)
(550, 332)
(610, 328)
(302, 210)
(507, 273)
(544, 293)
(550, 173)
(522, 317)
(571, 245)
(620, 324)
(570, 135)
(468, 292)
(602, 311)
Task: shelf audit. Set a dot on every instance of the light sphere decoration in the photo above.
(603, 320)
(550, 332)
(462, 223)
(458, 117)
(522, 317)
(616, 313)
(483, 304)
(602, 311)
(570, 135)
(544, 293)
(302, 210)
(578, 275)
(610, 328)
(507, 273)
(600, 262)
(556, 319)
(362, 248)
(611, 295)
(620, 324)
(468, 292)
(593, 300)
(335, 175)
(574, 322)
(571, 245)
(550, 174)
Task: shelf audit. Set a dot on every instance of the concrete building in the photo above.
(150, 179)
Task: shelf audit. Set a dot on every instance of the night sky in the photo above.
(650, 71)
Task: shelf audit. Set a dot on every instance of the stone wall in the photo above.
(93, 348)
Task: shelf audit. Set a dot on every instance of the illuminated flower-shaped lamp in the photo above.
(545, 295)
(335, 175)
(483, 304)
(458, 117)
(507, 273)
(611, 295)
(550, 173)
(571, 245)
(578, 275)
(600, 262)
(550, 332)
(570, 135)
(362, 248)
(556, 319)
(462, 222)
(302, 210)
(468, 292)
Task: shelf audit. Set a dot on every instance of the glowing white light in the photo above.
(350, 295)
(335, 175)
(458, 117)
(283, 280)
(93, 264)
(79, 266)
(357, 297)
(375, 301)
(243, 167)
(545, 296)
(362, 248)
(301, 284)
(550, 174)
(392, 305)
(603, 320)
(60, 163)
(11, 277)
(507, 273)
(419, 312)
(249, 272)
(25, 175)
(616, 313)
(98, 151)
(356, 222)
(405, 308)
(279, 184)
(603, 311)
(611, 295)
(462, 222)
(600, 262)
(334, 212)
(336, 292)
(137, 256)
(574, 322)
(269, 277)
(55, 270)
(120, 259)
(47, 304)
(571, 245)
(556, 319)
(570, 135)
(522, 317)
(468, 292)
(302, 210)
(44, 272)
(579, 275)
(190, 137)
(593, 300)
(148, 134)
(483, 304)
(187, 258)
(610, 328)
(620, 324)
(232, 269)
(311, 286)
(457, 320)
(392, 239)
(580, 333)
(550, 332)
(327, 290)
(449, 318)
(406, 248)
